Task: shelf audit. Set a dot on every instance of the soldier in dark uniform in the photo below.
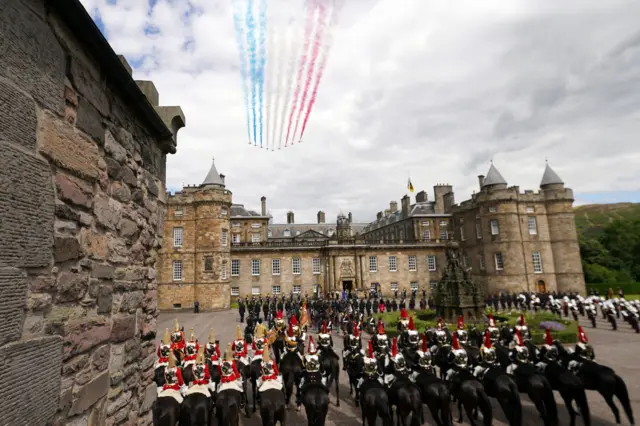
(241, 309)
(375, 306)
(394, 305)
(412, 303)
(368, 307)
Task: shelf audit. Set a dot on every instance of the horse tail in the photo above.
(580, 396)
(623, 395)
(515, 406)
(550, 405)
(485, 406)
(416, 407)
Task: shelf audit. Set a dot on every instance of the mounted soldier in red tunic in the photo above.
(198, 404)
(170, 395)
(178, 343)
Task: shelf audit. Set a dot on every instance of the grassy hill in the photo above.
(591, 219)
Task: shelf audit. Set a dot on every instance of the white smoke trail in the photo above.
(273, 58)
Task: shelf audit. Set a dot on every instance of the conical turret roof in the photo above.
(550, 177)
(213, 177)
(493, 177)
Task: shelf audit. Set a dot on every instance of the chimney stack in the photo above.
(393, 206)
(379, 215)
(263, 202)
(321, 218)
(481, 181)
(406, 204)
(350, 217)
(421, 197)
(290, 217)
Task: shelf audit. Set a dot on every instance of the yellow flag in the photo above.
(410, 186)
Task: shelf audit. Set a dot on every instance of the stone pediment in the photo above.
(310, 234)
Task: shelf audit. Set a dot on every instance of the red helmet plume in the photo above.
(522, 321)
(460, 323)
(290, 330)
(394, 348)
(439, 325)
(582, 336)
(424, 342)
(323, 330)
(519, 336)
(279, 315)
(294, 320)
(454, 342)
(380, 327)
(403, 314)
(370, 349)
(548, 339)
(487, 340)
(492, 322)
(411, 325)
(356, 332)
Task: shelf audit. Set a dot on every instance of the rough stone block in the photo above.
(74, 190)
(18, 119)
(83, 334)
(13, 293)
(32, 402)
(123, 328)
(102, 271)
(117, 151)
(66, 248)
(105, 299)
(27, 209)
(89, 394)
(31, 55)
(90, 121)
(95, 245)
(71, 286)
(87, 81)
(67, 148)
(107, 211)
(120, 192)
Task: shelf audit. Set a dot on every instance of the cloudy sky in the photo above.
(434, 88)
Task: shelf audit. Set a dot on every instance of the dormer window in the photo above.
(330, 232)
(269, 233)
(286, 233)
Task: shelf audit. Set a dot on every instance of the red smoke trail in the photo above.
(317, 42)
(303, 60)
(321, 67)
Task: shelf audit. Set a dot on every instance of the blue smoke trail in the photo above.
(262, 61)
(251, 44)
(238, 24)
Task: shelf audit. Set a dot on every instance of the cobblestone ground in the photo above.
(617, 349)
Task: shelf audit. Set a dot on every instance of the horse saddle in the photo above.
(202, 389)
(171, 393)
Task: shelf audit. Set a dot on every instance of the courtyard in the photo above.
(618, 350)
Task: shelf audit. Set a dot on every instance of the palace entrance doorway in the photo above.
(542, 287)
(347, 285)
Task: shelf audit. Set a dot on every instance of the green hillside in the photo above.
(591, 219)
(610, 244)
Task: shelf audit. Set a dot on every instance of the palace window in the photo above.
(462, 233)
(177, 237)
(235, 225)
(533, 225)
(427, 235)
(483, 263)
(393, 264)
(297, 289)
(286, 233)
(223, 272)
(433, 284)
(255, 291)
(478, 230)
(269, 233)
(208, 263)
(492, 209)
(495, 227)
(177, 270)
(431, 262)
(373, 264)
(255, 225)
(235, 238)
(223, 239)
(296, 266)
(394, 286)
(179, 212)
(255, 237)
(413, 263)
(275, 266)
(315, 264)
(255, 267)
(444, 235)
(275, 289)
(531, 209)
(223, 211)
(235, 291)
(443, 223)
(235, 268)
(425, 223)
(374, 286)
(537, 262)
(499, 261)
(414, 286)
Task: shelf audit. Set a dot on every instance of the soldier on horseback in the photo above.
(441, 338)
(399, 365)
(270, 378)
(174, 384)
(548, 351)
(488, 357)
(239, 348)
(259, 343)
(463, 336)
(311, 375)
(583, 349)
(521, 326)
(409, 339)
(291, 341)
(371, 367)
(458, 358)
(380, 341)
(324, 339)
(519, 354)
(164, 350)
(191, 350)
(212, 349)
(403, 323)
(352, 345)
(201, 375)
(494, 332)
(230, 377)
(177, 341)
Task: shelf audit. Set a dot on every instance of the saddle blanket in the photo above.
(270, 384)
(237, 386)
(203, 389)
(170, 393)
(188, 363)
(242, 360)
(160, 364)
(256, 358)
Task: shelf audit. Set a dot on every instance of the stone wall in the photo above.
(81, 206)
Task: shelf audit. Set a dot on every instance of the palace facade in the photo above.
(512, 241)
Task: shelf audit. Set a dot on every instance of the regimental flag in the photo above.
(410, 186)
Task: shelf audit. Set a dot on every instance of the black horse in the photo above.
(600, 378)
(470, 393)
(196, 410)
(374, 403)
(315, 399)
(406, 396)
(499, 385)
(570, 389)
(291, 369)
(272, 407)
(166, 411)
(228, 408)
(355, 367)
(435, 394)
(255, 371)
(330, 368)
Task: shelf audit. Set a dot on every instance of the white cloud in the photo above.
(437, 88)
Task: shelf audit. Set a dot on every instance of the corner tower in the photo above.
(562, 233)
(196, 251)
